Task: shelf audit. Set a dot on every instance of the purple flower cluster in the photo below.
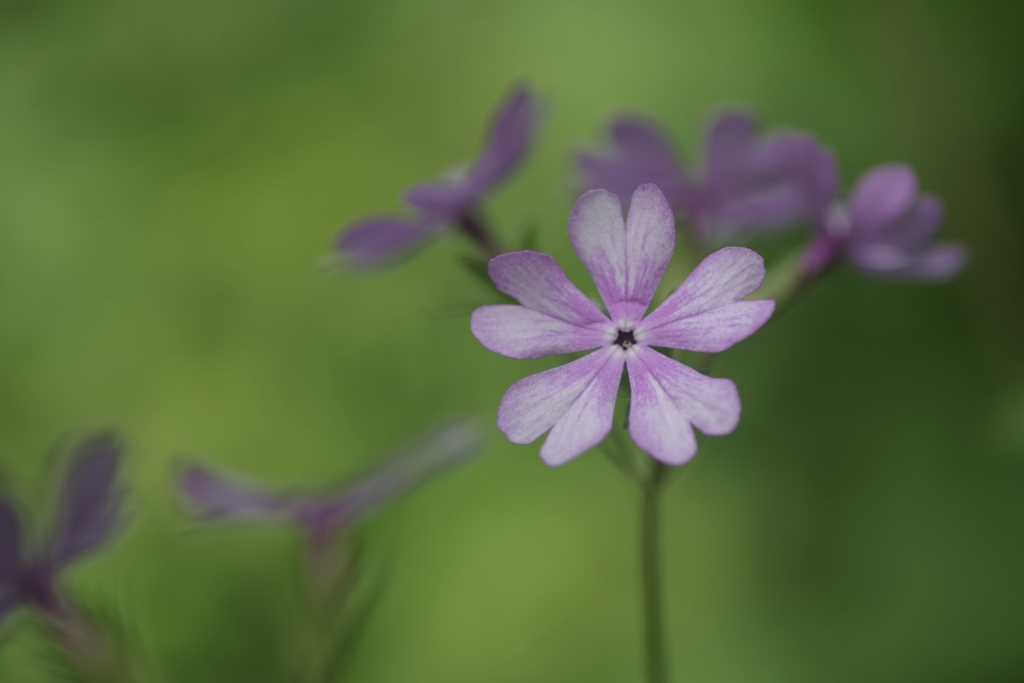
(88, 510)
(751, 184)
(745, 183)
(748, 183)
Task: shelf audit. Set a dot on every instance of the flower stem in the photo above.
(654, 632)
(329, 579)
(474, 228)
(89, 651)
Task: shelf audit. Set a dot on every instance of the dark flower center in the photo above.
(625, 339)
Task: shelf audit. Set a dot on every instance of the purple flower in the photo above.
(89, 510)
(642, 152)
(453, 201)
(749, 182)
(626, 260)
(886, 228)
(321, 514)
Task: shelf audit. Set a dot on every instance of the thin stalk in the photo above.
(90, 653)
(654, 631)
(328, 584)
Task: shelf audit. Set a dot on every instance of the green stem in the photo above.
(654, 631)
(90, 652)
(329, 580)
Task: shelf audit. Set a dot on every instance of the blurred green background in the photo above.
(171, 175)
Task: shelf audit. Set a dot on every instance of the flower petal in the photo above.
(379, 240)
(713, 331)
(772, 208)
(443, 447)
(650, 242)
(810, 169)
(520, 332)
(10, 545)
(598, 234)
(939, 263)
(213, 495)
(727, 141)
(89, 508)
(537, 281)
(934, 264)
(512, 130)
(626, 260)
(760, 183)
(667, 397)
(919, 226)
(577, 400)
(881, 195)
(642, 153)
(643, 137)
(443, 201)
(705, 313)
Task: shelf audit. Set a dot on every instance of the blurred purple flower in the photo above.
(626, 260)
(89, 510)
(886, 228)
(320, 514)
(642, 152)
(453, 201)
(749, 182)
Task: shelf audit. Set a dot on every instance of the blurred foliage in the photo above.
(171, 173)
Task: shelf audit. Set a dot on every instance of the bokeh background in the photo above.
(172, 176)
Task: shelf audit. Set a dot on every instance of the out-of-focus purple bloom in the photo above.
(332, 570)
(321, 514)
(641, 152)
(749, 182)
(626, 260)
(453, 201)
(89, 510)
(886, 228)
